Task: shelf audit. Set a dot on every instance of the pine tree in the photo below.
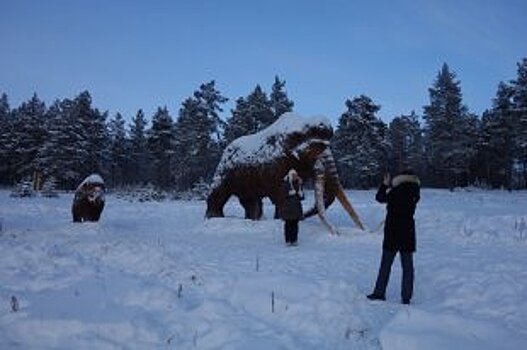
(406, 144)
(94, 140)
(119, 151)
(448, 143)
(240, 123)
(211, 100)
(4, 112)
(359, 144)
(259, 109)
(139, 156)
(49, 188)
(54, 153)
(496, 146)
(23, 188)
(27, 137)
(77, 143)
(279, 101)
(5, 136)
(161, 141)
(195, 148)
(471, 137)
(519, 100)
(51, 149)
(197, 136)
(62, 155)
(250, 115)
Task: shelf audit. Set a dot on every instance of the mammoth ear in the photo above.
(347, 206)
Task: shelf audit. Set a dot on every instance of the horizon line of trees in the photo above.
(448, 146)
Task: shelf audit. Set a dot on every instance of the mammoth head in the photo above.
(95, 193)
(308, 146)
(92, 188)
(306, 142)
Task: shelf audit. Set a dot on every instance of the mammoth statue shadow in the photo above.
(88, 202)
(253, 167)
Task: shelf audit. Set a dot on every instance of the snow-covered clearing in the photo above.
(158, 275)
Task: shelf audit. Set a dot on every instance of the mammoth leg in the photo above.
(76, 217)
(98, 212)
(76, 211)
(216, 201)
(253, 207)
(277, 198)
(259, 208)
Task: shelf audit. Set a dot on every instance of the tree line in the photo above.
(447, 146)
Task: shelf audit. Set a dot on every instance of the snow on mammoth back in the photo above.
(93, 179)
(288, 134)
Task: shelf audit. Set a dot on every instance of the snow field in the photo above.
(158, 275)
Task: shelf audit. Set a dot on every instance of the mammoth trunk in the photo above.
(327, 187)
(326, 182)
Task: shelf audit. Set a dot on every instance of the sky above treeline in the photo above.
(146, 54)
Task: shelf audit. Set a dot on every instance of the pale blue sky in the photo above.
(145, 54)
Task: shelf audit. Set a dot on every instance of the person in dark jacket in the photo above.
(291, 211)
(401, 195)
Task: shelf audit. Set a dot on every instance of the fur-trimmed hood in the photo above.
(404, 178)
(289, 180)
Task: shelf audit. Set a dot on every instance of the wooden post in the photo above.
(37, 180)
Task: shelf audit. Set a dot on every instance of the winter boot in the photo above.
(374, 296)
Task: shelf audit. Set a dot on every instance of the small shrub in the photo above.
(49, 188)
(23, 189)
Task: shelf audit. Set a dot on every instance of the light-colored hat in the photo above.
(291, 173)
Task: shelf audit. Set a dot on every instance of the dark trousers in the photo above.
(407, 284)
(291, 231)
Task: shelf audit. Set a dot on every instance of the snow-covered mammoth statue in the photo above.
(253, 167)
(88, 202)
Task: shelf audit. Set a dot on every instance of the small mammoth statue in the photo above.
(88, 201)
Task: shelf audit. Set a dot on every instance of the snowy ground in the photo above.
(157, 275)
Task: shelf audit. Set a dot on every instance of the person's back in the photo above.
(404, 196)
(401, 198)
(291, 211)
(401, 195)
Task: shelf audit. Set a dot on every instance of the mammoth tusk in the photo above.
(319, 203)
(347, 206)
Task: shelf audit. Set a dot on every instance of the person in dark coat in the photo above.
(401, 195)
(292, 211)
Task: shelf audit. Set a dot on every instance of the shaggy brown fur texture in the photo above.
(251, 182)
(88, 202)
